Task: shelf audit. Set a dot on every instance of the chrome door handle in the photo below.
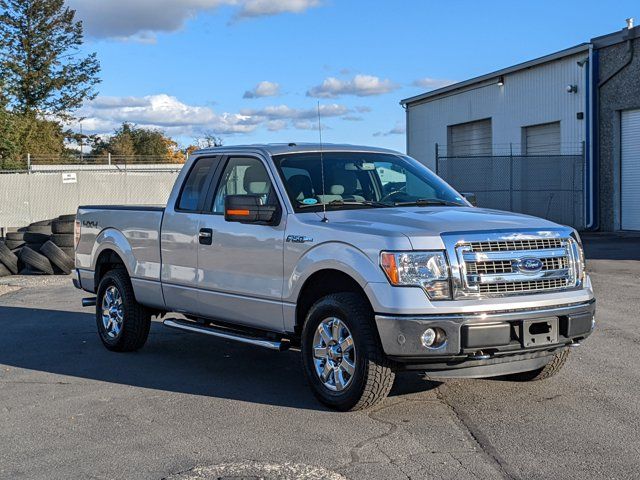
(205, 236)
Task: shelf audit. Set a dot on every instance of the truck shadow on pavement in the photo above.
(66, 343)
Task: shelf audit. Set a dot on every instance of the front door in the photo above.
(240, 268)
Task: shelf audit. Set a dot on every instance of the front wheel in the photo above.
(123, 324)
(549, 370)
(342, 357)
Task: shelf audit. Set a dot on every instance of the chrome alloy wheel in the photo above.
(334, 354)
(112, 312)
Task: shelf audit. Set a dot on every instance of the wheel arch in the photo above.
(320, 284)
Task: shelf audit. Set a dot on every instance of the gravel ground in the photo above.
(192, 407)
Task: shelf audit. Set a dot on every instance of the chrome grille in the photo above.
(507, 266)
(520, 287)
(501, 265)
(517, 245)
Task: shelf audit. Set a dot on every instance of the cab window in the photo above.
(196, 184)
(243, 176)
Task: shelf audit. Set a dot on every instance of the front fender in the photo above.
(331, 256)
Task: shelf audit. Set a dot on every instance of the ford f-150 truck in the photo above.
(360, 257)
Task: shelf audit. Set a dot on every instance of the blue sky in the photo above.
(192, 66)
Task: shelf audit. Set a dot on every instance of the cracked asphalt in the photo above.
(191, 407)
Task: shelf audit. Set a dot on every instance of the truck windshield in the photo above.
(361, 180)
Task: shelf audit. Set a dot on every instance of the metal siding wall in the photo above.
(528, 97)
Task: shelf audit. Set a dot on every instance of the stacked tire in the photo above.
(44, 247)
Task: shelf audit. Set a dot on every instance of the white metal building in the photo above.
(534, 108)
(572, 117)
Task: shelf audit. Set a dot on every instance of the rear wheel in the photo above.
(342, 357)
(123, 324)
(549, 370)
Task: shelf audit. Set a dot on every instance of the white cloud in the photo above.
(353, 118)
(165, 112)
(399, 129)
(432, 83)
(104, 114)
(261, 8)
(360, 85)
(285, 112)
(140, 20)
(263, 89)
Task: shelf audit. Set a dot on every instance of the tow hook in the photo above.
(479, 356)
(575, 344)
(89, 302)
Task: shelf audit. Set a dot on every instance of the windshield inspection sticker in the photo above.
(309, 201)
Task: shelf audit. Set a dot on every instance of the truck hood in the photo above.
(424, 225)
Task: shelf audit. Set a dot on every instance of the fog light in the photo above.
(429, 337)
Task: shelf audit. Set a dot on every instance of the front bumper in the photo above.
(478, 340)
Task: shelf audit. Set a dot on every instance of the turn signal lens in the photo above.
(388, 263)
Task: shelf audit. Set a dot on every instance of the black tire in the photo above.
(549, 370)
(69, 252)
(57, 257)
(34, 260)
(373, 375)
(59, 226)
(32, 237)
(4, 271)
(62, 239)
(8, 258)
(67, 218)
(136, 318)
(13, 244)
(45, 229)
(41, 223)
(15, 236)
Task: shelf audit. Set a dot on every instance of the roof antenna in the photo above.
(324, 196)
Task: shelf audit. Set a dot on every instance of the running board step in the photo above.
(226, 334)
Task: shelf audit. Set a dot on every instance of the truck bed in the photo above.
(131, 231)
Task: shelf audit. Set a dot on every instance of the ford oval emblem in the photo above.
(530, 265)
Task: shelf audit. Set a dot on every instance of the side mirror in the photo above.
(249, 209)
(471, 198)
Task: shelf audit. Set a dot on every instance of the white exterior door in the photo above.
(542, 139)
(630, 170)
(473, 138)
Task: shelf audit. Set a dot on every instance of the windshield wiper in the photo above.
(340, 203)
(426, 202)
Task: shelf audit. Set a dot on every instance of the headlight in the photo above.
(428, 270)
(578, 250)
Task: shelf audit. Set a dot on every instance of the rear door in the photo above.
(241, 266)
(180, 236)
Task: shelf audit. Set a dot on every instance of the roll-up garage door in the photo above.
(542, 139)
(473, 138)
(630, 170)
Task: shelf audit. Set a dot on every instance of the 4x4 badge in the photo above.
(298, 239)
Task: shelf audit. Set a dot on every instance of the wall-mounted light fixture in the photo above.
(572, 88)
(500, 81)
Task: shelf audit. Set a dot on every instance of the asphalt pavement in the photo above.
(190, 406)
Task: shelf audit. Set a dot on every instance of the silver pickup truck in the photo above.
(362, 258)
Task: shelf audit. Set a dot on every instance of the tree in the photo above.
(130, 140)
(43, 70)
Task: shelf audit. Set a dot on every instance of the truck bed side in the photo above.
(130, 232)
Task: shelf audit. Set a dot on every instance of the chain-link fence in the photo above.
(77, 160)
(30, 196)
(548, 186)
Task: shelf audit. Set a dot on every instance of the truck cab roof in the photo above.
(285, 148)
